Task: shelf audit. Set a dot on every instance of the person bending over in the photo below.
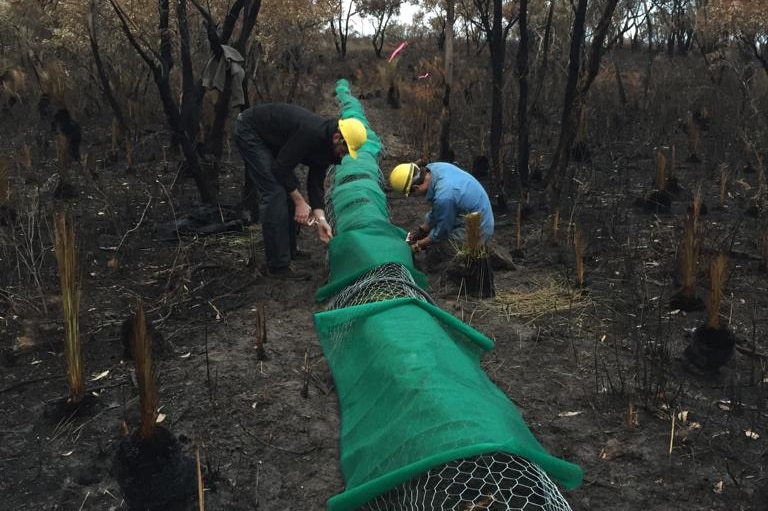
(273, 139)
(452, 193)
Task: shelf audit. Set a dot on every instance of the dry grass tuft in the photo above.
(717, 274)
(578, 247)
(547, 297)
(66, 256)
(141, 346)
(725, 173)
(474, 246)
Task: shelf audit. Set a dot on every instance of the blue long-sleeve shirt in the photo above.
(454, 193)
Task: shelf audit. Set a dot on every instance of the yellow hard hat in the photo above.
(401, 177)
(354, 134)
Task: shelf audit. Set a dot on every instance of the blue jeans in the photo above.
(276, 209)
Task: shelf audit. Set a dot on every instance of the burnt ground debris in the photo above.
(596, 374)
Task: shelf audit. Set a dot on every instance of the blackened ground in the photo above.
(596, 374)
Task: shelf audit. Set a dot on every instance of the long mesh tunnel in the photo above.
(422, 425)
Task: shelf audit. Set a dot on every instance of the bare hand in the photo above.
(324, 230)
(302, 212)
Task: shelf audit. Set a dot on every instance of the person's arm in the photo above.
(443, 218)
(316, 186)
(323, 227)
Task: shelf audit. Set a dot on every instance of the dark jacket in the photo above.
(296, 135)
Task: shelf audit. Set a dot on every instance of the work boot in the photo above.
(287, 272)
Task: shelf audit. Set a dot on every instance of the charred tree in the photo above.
(491, 23)
(249, 9)
(522, 102)
(578, 84)
(160, 64)
(106, 87)
(445, 114)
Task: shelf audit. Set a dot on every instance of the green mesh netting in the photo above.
(417, 410)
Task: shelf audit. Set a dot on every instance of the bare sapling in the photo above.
(712, 344)
(578, 247)
(725, 173)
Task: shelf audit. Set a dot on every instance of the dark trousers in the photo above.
(276, 209)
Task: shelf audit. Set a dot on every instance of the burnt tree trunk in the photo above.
(522, 103)
(106, 88)
(446, 153)
(498, 51)
(161, 64)
(579, 82)
(214, 138)
(568, 121)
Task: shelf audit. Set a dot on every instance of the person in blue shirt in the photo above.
(453, 193)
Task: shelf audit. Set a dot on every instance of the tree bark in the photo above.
(579, 82)
(568, 122)
(106, 87)
(446, 153)
(497, 49)
(160, 64)
(522, 103)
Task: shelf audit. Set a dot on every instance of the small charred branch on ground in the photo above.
(307, 372)
(261, 333)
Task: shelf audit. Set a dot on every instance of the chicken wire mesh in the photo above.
(384, 282)
(333, 181)
(402, 396)
(493, 482)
